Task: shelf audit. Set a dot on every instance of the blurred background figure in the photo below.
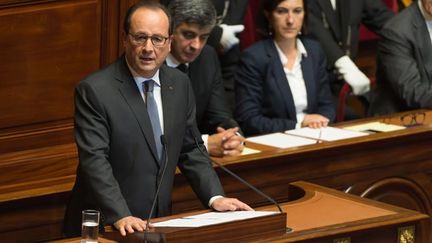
(335, 24)
(404, 71)
(282, 81)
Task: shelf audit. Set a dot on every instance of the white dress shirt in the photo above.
(333, 3)
(139, 80)
(296, 81)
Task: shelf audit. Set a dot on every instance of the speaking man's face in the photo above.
(148, 42)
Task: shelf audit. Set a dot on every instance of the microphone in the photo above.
(165, 159)
(255, 189)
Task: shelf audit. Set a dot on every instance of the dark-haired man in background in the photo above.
(193, 22)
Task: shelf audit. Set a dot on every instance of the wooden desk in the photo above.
(315, 214)
(394, 167)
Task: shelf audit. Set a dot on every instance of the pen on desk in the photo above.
(319, 136)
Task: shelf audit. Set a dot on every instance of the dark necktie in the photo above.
(152, 110)
(183, 67)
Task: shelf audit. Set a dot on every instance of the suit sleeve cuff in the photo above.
(300, 118)
(213, 199)
(204, 137)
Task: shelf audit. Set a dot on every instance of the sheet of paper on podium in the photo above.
(375, 127)
(212, 218)
(326, 133)
(281, 140)
(247, 151)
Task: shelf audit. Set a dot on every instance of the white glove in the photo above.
(358, 81)
(228, 38)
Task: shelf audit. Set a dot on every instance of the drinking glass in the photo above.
(90, 226)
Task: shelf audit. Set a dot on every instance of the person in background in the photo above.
(193, 21)
(335, 24)
(404, 63)
(282, 82)
(135, 121)
(225, 40)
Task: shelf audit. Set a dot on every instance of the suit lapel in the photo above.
(344, 11)
(131, 94)
(279, 78)
(168, 103)
(306, 65)
(195, 68)
(424, 42)
(330, 16)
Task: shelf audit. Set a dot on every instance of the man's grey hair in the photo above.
(200, 12)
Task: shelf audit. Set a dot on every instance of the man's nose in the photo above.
(196, 43)
(148, 45)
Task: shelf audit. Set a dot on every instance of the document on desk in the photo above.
(281, 140)
(247, 151)
(212, 218)
(375, 127)
(326, 133)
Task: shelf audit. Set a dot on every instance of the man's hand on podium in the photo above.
(129, 224)
(230, 204)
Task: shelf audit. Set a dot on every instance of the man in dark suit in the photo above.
(121, 158)
(335, 24)
(224, 39)
(404, 70)
(193, 22)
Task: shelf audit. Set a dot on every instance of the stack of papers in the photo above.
(281, 140)
(375, 127)
(212, 218)
(326, 133)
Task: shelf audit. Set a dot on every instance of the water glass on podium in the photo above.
(90, 226)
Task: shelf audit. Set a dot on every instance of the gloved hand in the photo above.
(229, 38)
(358, 81)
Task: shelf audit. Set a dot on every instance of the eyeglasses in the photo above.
(156, 40)
(413, 119)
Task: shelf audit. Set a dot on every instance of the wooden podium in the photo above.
(242, 230)
(315, 214)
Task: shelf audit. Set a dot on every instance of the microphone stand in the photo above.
(162, 138)
(240, 179)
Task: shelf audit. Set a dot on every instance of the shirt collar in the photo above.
(139, 79)
(301, 51)
(171, 61)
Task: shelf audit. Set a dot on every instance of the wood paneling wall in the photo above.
(46, 48)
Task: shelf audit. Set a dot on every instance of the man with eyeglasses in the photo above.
(193, 22)
(134, 123)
